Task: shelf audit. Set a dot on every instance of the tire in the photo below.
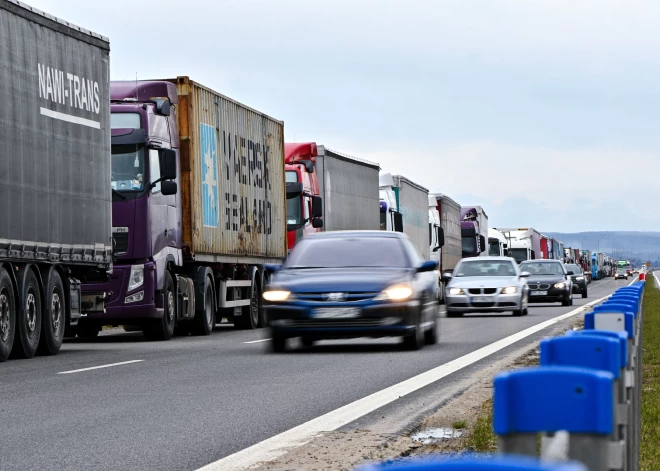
(163, 328)
(454, 314)
(28, 332)
(525, 311)
(518, 313)
(278, 344)
(431, 335)
(7, 314)
(263, 319)
(415, 340)
(87, 331)
(307, 342)
(249, 318)
(54, 319)
(585, 293)
(204, 320)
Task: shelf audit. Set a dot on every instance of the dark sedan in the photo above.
(351, 284)
(549, 282)
(579, 280)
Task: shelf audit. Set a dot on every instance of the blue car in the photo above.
(351, 284)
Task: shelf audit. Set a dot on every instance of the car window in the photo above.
(414, 254)
(336, 252)
(543, 268)
(574, 268)
(485, 268)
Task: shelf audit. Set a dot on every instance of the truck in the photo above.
(198, 211)
(474, 231)
(545, 248)
(524, 242)
(411, 202)
(55, 178)
(498, 244)
(449, 212)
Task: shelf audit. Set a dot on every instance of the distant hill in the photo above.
(637, 246)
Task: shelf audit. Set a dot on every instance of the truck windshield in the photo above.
(294, 211)
(469, 244)
(518, 254)
(128, 167)
(494, 249)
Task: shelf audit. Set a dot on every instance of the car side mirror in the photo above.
(167, 158)
(317, 223)
(525, 274)
(168, 187)
(427, 266)
(446, 277)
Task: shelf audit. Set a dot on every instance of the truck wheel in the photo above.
(163, 328)
(7, 315)
(54, 320)
(204, 320)
(249, 318)
(29, 319)
(263, 319)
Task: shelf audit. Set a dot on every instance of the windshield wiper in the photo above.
(115, 192)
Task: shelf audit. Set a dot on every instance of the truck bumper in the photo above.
(118, 308)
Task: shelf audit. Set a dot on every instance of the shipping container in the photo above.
(54, 172)
(450, 221)
(349, 189)
(238, 209)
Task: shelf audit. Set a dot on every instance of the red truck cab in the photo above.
(303, 199)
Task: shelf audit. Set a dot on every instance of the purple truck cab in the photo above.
(146, 210)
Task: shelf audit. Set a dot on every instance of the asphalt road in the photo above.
(188, 402)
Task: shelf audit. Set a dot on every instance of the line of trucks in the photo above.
(157, 205)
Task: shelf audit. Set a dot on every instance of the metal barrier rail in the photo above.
(584, 400)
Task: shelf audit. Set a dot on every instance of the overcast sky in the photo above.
(545, 112)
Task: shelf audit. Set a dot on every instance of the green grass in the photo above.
(481, 437)
(650, 449)
(459, 425)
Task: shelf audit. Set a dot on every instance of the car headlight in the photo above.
(276, 295)
(510, 290)
(560, 285)
(579, 278)
(455, 291)
(136, 279)
(398, 292)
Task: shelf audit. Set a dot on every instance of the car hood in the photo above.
(482, 282)
(545, 279)
(346, 280)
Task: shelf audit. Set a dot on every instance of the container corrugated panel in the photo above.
(233, 177)
(450, 221)
(349, 187)
(55, 135)
(413, 204)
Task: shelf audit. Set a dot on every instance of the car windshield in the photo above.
(542, 268)
(574, 268)
(485, 268)
(342, 252)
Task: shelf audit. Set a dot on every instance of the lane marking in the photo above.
(257, 341)
(656, 280)
(99, 367)
(278, 445)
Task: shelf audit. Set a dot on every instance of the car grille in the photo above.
(538, 286)
(120, 242)
(482, 290)
(349, 297)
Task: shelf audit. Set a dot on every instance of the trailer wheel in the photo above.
(7, 314)
(54, 319)
(204, 320)
(250, 314)
(163, 328)
(29, 318)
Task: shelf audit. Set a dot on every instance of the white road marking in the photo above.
(99, 367)
(656, 280)
(257, 341)
(278, 445)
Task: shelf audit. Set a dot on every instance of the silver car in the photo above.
(486, 284)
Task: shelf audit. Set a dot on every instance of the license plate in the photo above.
(539, 293)
(336, 312)
(483, 299)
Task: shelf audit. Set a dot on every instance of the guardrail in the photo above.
(583, 400)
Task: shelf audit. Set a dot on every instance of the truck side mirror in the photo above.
(482, 243)
(168, 187)
(317, 223)
(293, 189)
(441, 237)
(317, 206)
(398, 222)
(167, 158)
(163, 107)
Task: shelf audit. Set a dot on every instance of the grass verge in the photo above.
(650, 451)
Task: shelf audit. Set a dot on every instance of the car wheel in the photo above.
(525, 311)
(454, 314)
(278, 343)
(567, 301)
(518, 313)
(414, 340)
(307, 342)
(585, 293)
(431, 335)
